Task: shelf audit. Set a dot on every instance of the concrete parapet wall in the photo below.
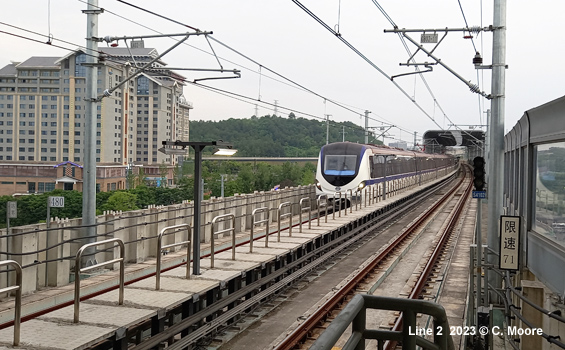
(137, 229)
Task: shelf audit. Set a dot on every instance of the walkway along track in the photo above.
(226, 310)
(317, 319)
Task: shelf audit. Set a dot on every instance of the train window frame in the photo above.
(348, 168)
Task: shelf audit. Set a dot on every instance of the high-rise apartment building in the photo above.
(42, 111)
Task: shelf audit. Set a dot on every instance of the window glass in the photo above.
(550, 191)
(340, 164)
(142, 85)
(80, 70)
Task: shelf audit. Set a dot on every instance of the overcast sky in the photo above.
(280, 36)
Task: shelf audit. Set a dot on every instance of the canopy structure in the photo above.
(435, 141)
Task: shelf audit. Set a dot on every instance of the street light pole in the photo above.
(197, 208)
(179, 147)
(222, 188)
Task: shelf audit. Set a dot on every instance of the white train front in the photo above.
(344, 166)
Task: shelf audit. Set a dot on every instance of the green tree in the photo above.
(164, 171)
(120, 200)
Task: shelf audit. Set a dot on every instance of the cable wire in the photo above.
(417, 69)
(294, 83)
(252, 101)
(340, 37)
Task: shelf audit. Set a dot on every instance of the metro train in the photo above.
(344, 166)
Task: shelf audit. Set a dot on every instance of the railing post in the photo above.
(350, 202)
(281, 216)
(345, 204)
(253, 223)
(339, 207)
(359, 196)
(78, 271)
(358, 325)
(408, 325)
(231, 230)
(326, 207)
(302, 209)
(160, 249)
(18, 301)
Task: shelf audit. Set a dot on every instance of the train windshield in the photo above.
(343, 165)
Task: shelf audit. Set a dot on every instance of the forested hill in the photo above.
(273, 136)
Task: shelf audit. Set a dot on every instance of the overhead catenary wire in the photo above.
(109, 58)
(252, 101)
(365, 58)
(475, 50)
(402, 39)
(262, 66)
(295, 84)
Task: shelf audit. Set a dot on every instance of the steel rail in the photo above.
(300, 333)
(425, 275)
(333, 247)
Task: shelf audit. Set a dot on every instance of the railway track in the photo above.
(193, 330)
(306, 333)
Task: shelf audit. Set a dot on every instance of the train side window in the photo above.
(377, 166)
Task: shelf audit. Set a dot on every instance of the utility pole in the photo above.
(89, 176)
(415, 140)
(276, 107)
(487, 147)
(496, 127)
(222, 188)
(256, 110)
(343, 134)
(328, 128)
(367, 127)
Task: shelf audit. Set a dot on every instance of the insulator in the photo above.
(475, 29)
(107, 93)
(475, 88)
(477, 60)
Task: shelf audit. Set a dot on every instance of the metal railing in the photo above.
(339, 205)
(160, 249)
(18, 307)
(215, 220)
(514, 309)
(303, 209)
(354, 313)
(281, 216)
(253, 223)
(78, 271)
(359, 194)
(350, 201)
(318, 202)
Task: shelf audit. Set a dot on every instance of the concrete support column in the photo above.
(63, 267)
(25, 244)
(206, 217)
(534, 291)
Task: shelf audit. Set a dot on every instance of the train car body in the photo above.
(344, 166)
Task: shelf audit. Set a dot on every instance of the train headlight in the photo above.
(318, 185)
(361, 185)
